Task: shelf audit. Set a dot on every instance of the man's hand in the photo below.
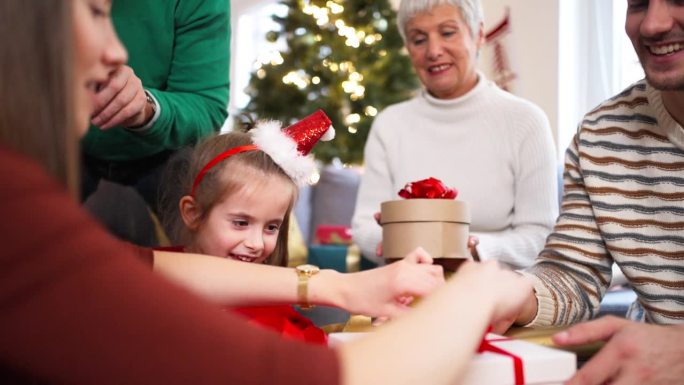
(122, 101)
(634, 353)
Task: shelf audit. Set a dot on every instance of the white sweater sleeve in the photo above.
(536, 198)
(375, 188)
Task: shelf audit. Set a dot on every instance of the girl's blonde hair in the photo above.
(224, 179)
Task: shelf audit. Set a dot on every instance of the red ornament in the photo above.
(430, 188)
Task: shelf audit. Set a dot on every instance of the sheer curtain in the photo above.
(596, 59)
(251, 21)
(588, 60)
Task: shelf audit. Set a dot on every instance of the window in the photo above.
(596, 60)
(628, 69)
(251, 46)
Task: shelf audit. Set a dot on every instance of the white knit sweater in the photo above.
(496, 149)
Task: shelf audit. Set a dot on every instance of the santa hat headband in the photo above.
(289, 148)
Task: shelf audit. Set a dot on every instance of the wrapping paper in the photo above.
(540, 365)
(333, 235)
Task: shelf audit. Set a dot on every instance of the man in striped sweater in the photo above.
(624, 174)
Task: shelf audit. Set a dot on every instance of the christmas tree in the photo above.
(345, 57)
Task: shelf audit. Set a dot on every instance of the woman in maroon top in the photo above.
(77, 306)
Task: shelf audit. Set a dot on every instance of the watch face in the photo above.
(308, 269)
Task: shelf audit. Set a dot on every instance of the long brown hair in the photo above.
(36, 87)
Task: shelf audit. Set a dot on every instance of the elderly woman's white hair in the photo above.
(471, 10)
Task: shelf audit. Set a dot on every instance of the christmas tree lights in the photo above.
(343, 56)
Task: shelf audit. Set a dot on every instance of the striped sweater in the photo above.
(623, 203)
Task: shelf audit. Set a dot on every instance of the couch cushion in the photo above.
(334, 197)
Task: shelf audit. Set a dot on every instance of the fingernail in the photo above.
(562, 336)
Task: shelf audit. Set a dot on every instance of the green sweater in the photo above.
(180, 49)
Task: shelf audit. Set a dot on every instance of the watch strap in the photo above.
(303, 291)
(304, 273)
(156, 109)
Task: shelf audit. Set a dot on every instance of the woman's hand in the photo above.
(506, 290)
(388, 290)
(473, 241)
(378, 248)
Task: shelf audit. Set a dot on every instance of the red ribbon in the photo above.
(286, 321)
(486, 346)
(430, 188)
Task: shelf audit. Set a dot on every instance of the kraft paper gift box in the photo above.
(440, 226)
(540, 365)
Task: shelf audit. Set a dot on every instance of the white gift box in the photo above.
(541, 365)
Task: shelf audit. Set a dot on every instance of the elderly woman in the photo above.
(494, 147)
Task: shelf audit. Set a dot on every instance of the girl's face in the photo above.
(97, 53)
(245, 225)
(443, 51)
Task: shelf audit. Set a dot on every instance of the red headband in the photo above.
(216, 160)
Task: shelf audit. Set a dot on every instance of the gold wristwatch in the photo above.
(304, 272)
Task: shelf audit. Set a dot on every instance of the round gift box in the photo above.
(440, 226)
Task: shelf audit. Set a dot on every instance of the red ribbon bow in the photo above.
(286, 321)
(486, 346)
(430, 188)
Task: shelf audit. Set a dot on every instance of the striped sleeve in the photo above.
(574, 269)
(622, 204)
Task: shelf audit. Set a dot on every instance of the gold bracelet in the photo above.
(304, 272)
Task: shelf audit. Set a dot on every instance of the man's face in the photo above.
(655, 28)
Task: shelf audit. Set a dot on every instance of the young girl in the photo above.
(241, 188)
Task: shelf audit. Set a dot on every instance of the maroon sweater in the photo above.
(79, 307)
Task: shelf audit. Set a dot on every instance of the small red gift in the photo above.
(333, 235)
(502, 360)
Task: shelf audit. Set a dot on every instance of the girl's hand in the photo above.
(388, 291)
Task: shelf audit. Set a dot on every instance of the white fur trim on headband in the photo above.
(269, 137)
(328, 135)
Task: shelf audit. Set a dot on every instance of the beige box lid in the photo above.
(424, 210)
